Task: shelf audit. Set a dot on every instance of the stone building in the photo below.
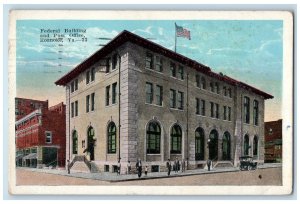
(273, 141)
(169, 106)
(41, 136)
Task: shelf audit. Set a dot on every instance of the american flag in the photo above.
(182, 32)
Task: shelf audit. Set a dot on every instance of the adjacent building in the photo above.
(136, 99)
(273, 141)
(41, 135)
(24, 106)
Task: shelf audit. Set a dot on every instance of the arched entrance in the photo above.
(199, 144)
(91, 142)
(226, 146)
(213, 145)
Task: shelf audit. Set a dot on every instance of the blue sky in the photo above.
(250, 51)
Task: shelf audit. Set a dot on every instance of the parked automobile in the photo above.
(247, 163)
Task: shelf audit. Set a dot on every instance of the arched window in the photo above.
(153, 138)
(213, 145)
(255, 146)
(226, 146)
(74, 142)
(111, 138)
(199, 144)
(176, 136)
(246, 145)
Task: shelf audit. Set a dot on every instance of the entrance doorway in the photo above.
(91, 141)
(213, 145)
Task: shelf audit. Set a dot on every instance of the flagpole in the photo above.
(175, 38)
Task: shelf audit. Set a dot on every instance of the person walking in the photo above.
(68, 166)
(119, 168)
(208, 164)
(176, 165)
(128, 167)
(139, 167)
(183, 165)
(169, 166)
(146, 170)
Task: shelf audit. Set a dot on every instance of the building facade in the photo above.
(273, 141)
(168, 107)
(25, 106)
(41, 137)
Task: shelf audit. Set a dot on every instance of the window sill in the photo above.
(177, 109)
(151, 104)
(153, 154)
(111, 105)
(155, 71)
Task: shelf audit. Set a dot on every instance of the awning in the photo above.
(31, 156)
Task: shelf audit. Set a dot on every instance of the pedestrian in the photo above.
(119, 168)
(169, 166)
(68, 166)
(208, 164)
(176, 164)
(146, 170)
(128, 167)
(139, 167)
(183, 165)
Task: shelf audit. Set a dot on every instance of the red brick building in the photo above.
(25, 106)
(273, 141)
(41, 135)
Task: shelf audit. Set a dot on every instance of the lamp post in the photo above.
(208, 143)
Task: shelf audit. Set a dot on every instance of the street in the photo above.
(267, 176)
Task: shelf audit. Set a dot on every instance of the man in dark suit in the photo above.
(139, 167)
(169, 166)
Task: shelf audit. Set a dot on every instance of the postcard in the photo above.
(150, 102)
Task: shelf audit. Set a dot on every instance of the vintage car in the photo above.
(247, 163)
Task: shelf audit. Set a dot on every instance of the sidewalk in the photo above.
(113, 177)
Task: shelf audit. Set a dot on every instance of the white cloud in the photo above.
(146, 30)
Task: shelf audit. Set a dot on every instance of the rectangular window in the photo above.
(198, 80)
(158, 64)
(217, 88)
(197, 106)
(180, 100)
(224, 113)
(87, 103)
(149, 60)
(76, 108)
(173, 69)
(255, 112)
(93, 102)
(114, 93)
(76, 84)
(72, 110)
(159, 94)
(225, 91)
(107, 89)
(211, 109)
(72, 86)
(229, 113)
(108, 64)
(48, 137)
(114, 61)
(229, 93)
(212, 87)
(180, 72)
(93, 74)
(149, 92)
(172, 98)
(202, 107)
(217, 110)
(87, 76)
(246, 109)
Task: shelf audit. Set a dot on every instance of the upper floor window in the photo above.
(180, 72)
(198, 80)
(159, 95)
(172, 98)
(72, 110)
(246, 109)
(203, 83)
(255, 112)
(76, 108)
(48, 137)
(74, 85)
(212, 87)
(173, 69)
(211, 109)
(217, 89)
(149, 60)
(224, 112)
(149, 92)
(108, 65)
(88, 103)
(180, 100)
(217, 110)
(107, 96)
(158, 64)
(87, 76)
(114, 61)
(114, 93)
(229, 113)
(197, 106)
(202, 107)
(92, 101)
(229, 93)
(225, 91)
(93, 74)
